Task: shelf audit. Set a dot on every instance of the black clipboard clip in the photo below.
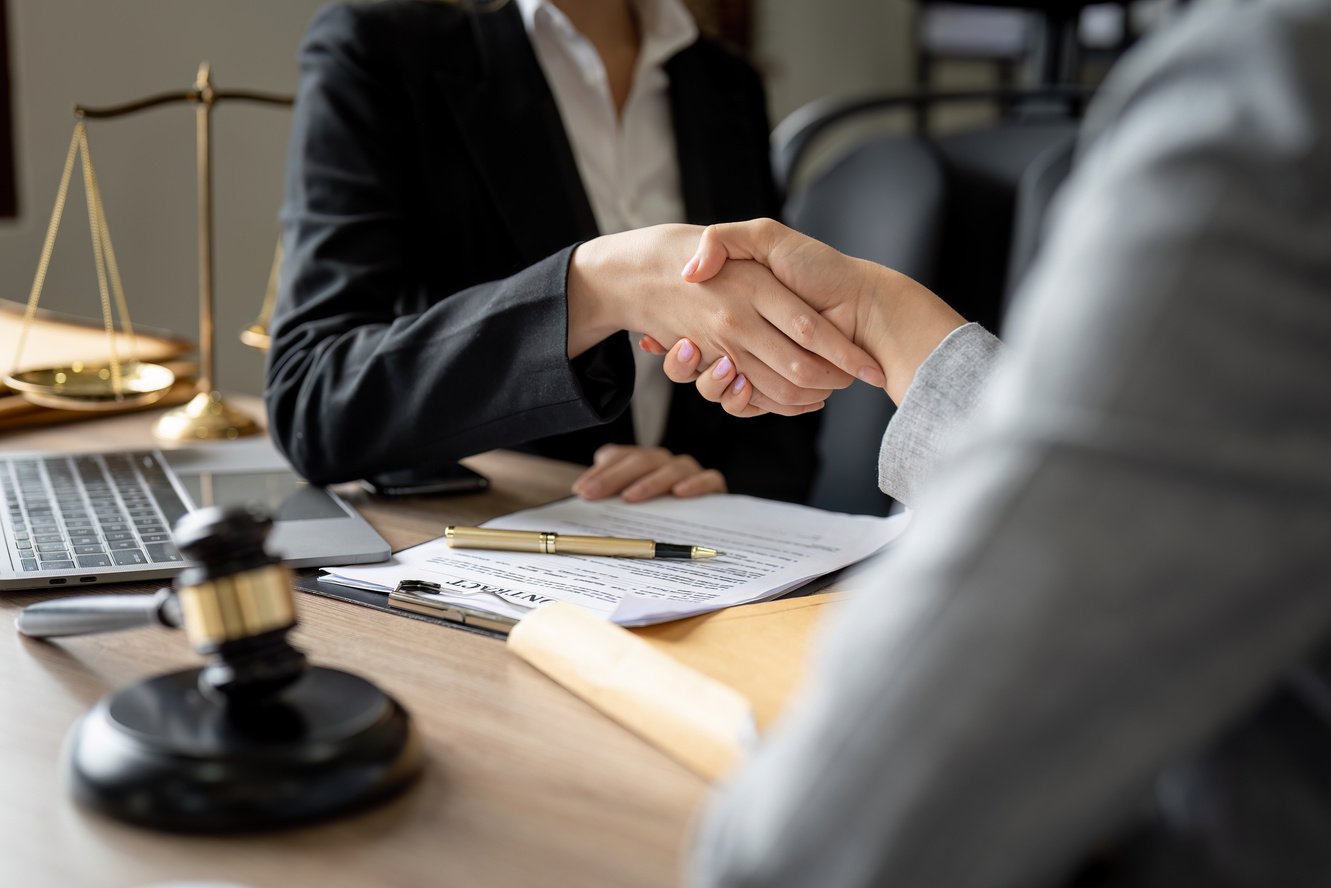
(422, 597)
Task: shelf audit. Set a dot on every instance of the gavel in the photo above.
(257, 737)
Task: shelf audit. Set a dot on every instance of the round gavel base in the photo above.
(162, 754)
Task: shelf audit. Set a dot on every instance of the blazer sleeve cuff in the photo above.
(940, 400)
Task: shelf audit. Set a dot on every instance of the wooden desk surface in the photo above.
(525, 784)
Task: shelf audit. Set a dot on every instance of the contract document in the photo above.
(768, 547)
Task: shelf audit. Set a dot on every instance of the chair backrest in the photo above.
(960, 213)
(1035, 194)
(882, 201)
(988, 175)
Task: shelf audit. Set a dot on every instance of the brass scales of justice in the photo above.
(118, 384)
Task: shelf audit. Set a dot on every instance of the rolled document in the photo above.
(703, 723)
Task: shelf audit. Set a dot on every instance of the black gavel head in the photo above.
(236, 604)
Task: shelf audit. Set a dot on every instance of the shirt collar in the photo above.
(667, 27)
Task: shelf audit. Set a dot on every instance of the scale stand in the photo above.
(207, 416)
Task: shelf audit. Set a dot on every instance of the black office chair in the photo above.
(956, 212)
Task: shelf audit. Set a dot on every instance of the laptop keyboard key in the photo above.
(126, 557)
(29, 563)
(58, 555)
(123, 544)
(162, 552)
(157, 537)
(94, 561)
(89, 550)
(57, 565)
(115, 537)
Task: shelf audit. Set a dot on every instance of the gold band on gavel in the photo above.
(237, 606)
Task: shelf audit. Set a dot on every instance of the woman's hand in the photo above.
(720, 382)
(897, 320)
(642, 473)
(631, 281)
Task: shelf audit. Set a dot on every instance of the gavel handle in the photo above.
(88, 614)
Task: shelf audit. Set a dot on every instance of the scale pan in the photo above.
(256, 336)
(83, 387)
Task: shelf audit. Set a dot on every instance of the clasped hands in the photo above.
(775, 320)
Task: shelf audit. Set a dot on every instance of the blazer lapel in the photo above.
(510, 123)
(710, 132)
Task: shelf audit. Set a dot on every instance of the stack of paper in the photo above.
(769, 548)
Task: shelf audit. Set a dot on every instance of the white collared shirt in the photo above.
(627, 161)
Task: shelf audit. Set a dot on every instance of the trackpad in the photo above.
(284, 495)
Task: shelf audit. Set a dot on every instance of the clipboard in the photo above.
(307, 581)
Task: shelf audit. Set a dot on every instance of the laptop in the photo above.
(72, 519)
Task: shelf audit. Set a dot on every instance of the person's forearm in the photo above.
(597, 278)
(900, 323)
(355, 388)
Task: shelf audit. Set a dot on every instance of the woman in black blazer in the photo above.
(432, 208)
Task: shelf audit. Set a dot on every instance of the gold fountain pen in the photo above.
(546, 543)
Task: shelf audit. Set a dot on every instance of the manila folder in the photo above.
(701, 689)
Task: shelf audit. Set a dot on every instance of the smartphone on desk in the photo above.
(456, 478)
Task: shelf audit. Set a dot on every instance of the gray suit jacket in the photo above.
(1101, 623)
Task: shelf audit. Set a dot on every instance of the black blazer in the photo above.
(432, 204)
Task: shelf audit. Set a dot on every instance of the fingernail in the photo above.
(589, 489)
(873, 376)
(723, 369)
(739, 384)
(685, 350)
(690, 268)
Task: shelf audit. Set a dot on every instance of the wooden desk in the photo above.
(525, 784)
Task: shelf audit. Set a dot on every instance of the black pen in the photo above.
(547, 543)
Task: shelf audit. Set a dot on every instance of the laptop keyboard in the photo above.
(94, 511)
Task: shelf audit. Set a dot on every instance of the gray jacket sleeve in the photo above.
(1132, 544)
(937, 405)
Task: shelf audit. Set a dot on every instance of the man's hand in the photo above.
(631, 281)
(641, 473)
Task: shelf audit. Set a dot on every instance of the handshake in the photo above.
(762, 319)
